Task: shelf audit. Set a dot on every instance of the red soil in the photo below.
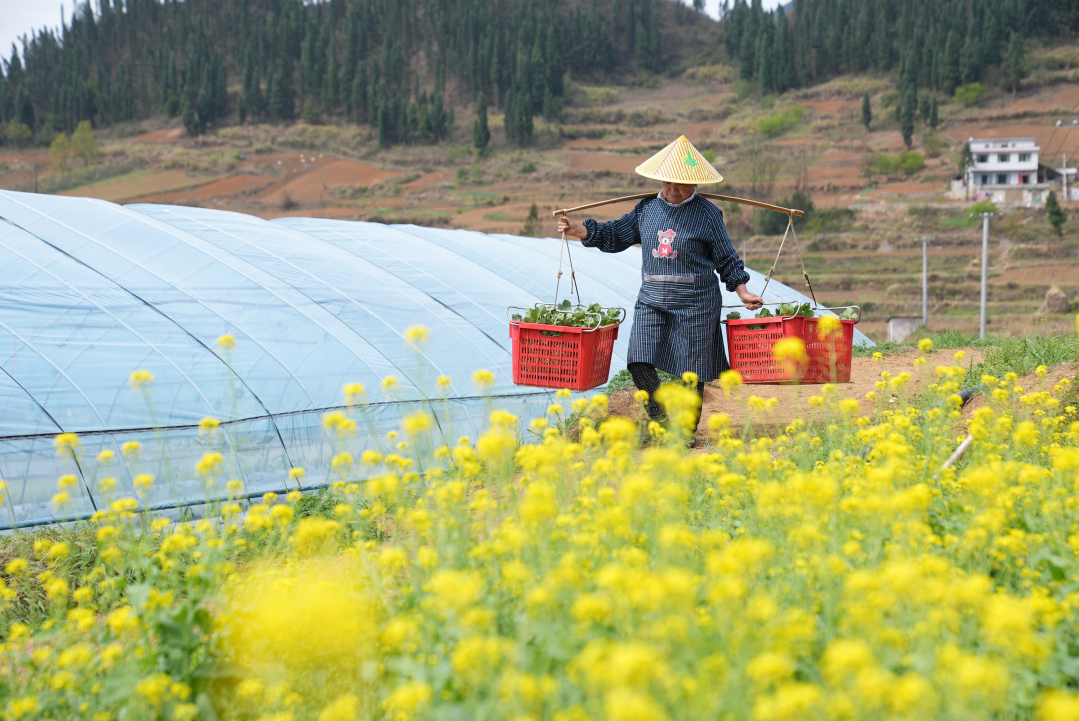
(831, 107)
(431, 180)
(224, 188)
(313, 184)
(603, 161)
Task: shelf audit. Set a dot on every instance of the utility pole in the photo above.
(925, 280)
(985, 273)
(1064, 174)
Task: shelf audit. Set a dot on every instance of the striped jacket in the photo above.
(676, 325)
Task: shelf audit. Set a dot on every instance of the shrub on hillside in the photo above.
(778, 122)
(968, 95)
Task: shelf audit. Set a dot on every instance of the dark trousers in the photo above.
(646, 379)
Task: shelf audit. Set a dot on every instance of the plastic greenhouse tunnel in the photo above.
(257, 324)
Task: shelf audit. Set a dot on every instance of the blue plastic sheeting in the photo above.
(91, 291)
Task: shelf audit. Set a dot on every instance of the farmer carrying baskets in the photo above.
(684, 243)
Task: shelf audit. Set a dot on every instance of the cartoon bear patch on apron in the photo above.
(666, 245)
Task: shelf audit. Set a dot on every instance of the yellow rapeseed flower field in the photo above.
(835, 570)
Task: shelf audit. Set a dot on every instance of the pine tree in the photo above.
(934, 116)
(436, 117)
(1056, 214)
(764, 64)
(330, 85)
(970, 59)
(481, 134)
(949, 78)
(641, 57)
(867, 111)
(189, 109)
(205, 103)
(906, 119)
(220, 87)
(359, 94)
(1013, 62)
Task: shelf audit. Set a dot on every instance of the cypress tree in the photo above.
(906, 118)
(1056, 214)
(640, 44)
(867, 111)
(188, 108)
(437, 116)
(1013, 62)
(746, 56)
(949, 77)
(330, 86)
(205, 103)
(359, 93)
(481, 135)
(764, 64)
(970, 59)
(934, 117)
(24, 107)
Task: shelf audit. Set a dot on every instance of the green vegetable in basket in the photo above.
(568, 315)
(850, 314)
(764, 313)
(734, 315)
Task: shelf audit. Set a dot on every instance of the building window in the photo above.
(985, 179)
(1004, 157)
(1002, 178)
(1024, 157)
(983, 157)
(1024, 179)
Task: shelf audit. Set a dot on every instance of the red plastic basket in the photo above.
(751, 350)
(576, 358)
(829, 357)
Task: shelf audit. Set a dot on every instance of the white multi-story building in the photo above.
(1002, 162)
(1008, 170)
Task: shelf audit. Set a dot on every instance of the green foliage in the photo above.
(779, 122)
(970, 94)
(906, 116)
(1056, 214)
(84, 145)
(772, 223)
(885, 164)
(1023, 355)
(532, 221)
(311, 114)
(60, 150)
(18, 134)
(709, 155)
(933, 144)
(867, 111)
(567, 315)
(481, 134)
(963, 157)
(1013, 62)
(982, 206)
(528, 167)
(911, 162)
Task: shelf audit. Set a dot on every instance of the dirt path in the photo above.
(794, 400)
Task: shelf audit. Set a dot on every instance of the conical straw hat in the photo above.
(679, 162)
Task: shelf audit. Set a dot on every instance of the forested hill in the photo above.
(398, 64)
(375, 61)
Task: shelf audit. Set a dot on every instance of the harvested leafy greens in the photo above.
(734, 315)
(568, 315)
(849, 314)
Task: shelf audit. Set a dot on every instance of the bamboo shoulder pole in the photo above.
(710, 196)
